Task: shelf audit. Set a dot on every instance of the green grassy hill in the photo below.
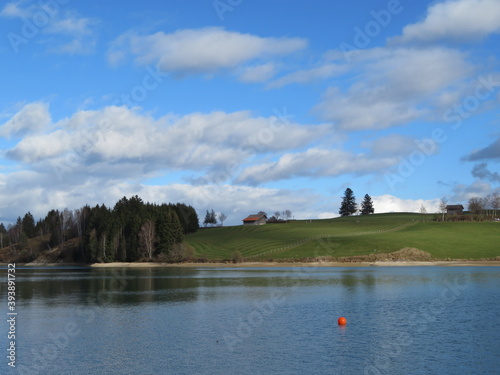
(351, 236)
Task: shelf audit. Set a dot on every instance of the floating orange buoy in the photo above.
(342, 321)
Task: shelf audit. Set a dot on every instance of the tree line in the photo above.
(130, 231)
(484, 208)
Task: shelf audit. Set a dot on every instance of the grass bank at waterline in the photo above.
(350, 237)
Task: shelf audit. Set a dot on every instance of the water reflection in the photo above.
(150, 285)
(176, 321)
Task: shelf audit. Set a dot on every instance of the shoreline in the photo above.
(452, 263)
(438, 263)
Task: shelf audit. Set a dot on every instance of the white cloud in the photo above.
(258, 73)
(463, 192)
(39, 193)
(327, 215)
(205, 50)
(456, 20)
(196, 142)
(394, 87)
(32, 117)
(390, 203)
(305, 76)
(12, 9)
(69, 33)
(72, 25)
(314, 162)
(397, 145)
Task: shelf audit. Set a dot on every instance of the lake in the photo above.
(400, 320)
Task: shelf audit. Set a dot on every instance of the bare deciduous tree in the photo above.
(495, 203)
(442, 206)
(475, 206)
(222, 217)
(147, 238)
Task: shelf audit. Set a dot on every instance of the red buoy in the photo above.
(342, 321)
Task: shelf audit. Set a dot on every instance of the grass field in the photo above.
(351, 236)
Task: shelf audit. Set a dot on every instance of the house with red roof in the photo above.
(258, 219)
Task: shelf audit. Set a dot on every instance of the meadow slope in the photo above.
(351, 236)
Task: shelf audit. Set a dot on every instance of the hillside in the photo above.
(363, 238)
(350, 237)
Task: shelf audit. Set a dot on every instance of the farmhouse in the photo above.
(456, 209)
(258, 219)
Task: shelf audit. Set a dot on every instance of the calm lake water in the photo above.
(407, 320)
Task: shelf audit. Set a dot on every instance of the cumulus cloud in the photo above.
(390, 203)
(455, 20)
(33, 117)
(33, 191)
(314, 162)
(115, 136)
(463, 192)
(394, 87)
(205, 50)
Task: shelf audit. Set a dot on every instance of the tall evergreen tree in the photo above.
(207, 219)
(29, 225)
(187, 216)
(213, 217)
(53, 220)
(367, 206)
(348, 206)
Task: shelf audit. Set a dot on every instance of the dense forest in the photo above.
(130, 231)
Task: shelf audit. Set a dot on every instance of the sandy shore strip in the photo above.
(301, 264)
(448, 263)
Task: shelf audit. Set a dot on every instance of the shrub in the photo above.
(236, 256)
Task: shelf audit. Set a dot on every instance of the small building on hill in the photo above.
(258, 219)
(455, 209)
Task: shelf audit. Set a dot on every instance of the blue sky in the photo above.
(241, 106)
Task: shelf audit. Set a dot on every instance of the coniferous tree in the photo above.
(367, 206)
(187, 216)
(348, 206)
(213, 218)
(207, 219)
(53, 220)
(28, 224)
